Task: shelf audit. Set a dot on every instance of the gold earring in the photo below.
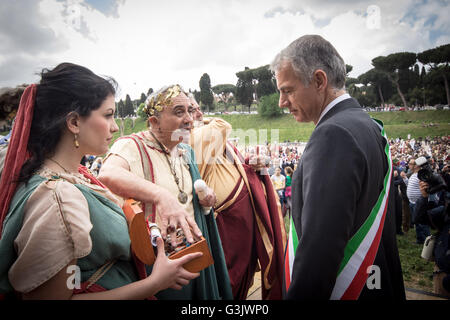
(75, 141)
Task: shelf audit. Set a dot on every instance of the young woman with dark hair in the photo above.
(63, 233)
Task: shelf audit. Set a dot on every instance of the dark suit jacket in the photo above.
(334, 188)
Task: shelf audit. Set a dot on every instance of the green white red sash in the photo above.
(361, 249)
(292, 244)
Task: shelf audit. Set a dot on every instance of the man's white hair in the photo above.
(310, 53)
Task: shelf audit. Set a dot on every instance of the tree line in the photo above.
(407, 79)
(403, 78)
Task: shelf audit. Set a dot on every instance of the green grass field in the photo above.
(417, 272)
(398, 124)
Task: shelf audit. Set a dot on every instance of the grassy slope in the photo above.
(398, 124)
(417, 272)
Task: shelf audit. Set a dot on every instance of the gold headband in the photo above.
(163, 98)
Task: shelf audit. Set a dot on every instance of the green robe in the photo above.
(109, 235)
(213, 282)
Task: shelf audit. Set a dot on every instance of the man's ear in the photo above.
(153, 121)
(320, 80)
(73, 121)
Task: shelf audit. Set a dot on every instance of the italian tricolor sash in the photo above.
(360, 250)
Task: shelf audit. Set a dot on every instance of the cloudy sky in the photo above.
(150, 43)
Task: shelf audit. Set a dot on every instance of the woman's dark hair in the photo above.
(65, 89)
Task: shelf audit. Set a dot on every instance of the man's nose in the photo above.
(189, 118)
(283, 103)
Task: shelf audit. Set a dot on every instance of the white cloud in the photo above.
(152, 43)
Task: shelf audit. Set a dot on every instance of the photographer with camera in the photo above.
(432, 209)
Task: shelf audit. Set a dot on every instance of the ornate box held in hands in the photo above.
(142, 247)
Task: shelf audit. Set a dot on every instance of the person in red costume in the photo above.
(247, 210)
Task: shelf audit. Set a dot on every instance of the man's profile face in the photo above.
(301, 101)
(197, 112)
(177, 115)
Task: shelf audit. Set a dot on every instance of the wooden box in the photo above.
(143, 249)
(199, 263)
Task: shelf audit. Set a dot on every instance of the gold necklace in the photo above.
(182, 196)
(66, 171)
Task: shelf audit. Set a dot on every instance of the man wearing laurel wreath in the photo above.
(158, 169)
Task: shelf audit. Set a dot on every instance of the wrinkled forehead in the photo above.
(180, 100)
(194, 103)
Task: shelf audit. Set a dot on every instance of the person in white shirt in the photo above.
(413, 193)
(279, 182)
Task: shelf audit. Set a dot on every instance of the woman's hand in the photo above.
(168, 273)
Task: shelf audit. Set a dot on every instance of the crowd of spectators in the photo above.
(437, 148)
(277, 155)
(404, 152)
(422, 199)
(281, 162)
(92, 163)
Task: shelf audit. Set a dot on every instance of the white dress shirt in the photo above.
(332, 104)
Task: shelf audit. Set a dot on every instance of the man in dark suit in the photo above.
(341, 183)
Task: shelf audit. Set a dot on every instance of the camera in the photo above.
(435, 181)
